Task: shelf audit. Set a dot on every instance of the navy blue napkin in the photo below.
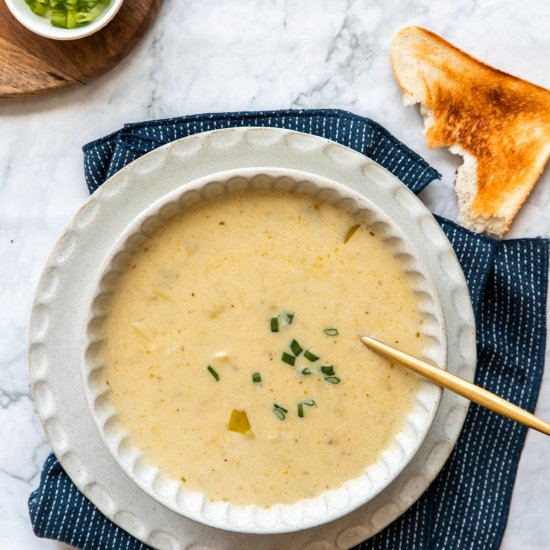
(467, 505)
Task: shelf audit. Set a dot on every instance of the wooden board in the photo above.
(31, 65)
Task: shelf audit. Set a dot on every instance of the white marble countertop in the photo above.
(225, 55)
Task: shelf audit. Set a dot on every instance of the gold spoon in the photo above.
(460, 386)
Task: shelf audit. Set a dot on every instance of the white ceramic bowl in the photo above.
(279, 518)
(43, 27)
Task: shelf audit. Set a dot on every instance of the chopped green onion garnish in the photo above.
(351, 233)
(309, 403)
(285, 318)
(332, 379)
(311, 356)
(296, 348)
(288, 317)
(280, 412)
(328, 370)
(306, 371)
(256, 378)
(287, 358)
(213, 373)
(331, 331)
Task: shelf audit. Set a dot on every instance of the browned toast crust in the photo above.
(500, 119)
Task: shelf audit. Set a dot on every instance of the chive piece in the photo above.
(281, 321)
(351, 233)
(288, 317)
(287, 358)
(280, 412)
(306, 371)
(309, 403)
(296, 348)
(256, 378)
(332, 379)
(310, 356)
(213, 373)
(331, 331)
(328, 370)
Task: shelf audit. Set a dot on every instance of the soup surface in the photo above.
(232, 351)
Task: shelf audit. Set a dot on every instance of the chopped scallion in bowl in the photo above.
(64, 19)
(68, 14)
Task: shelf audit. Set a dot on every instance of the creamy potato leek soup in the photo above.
(232, 348)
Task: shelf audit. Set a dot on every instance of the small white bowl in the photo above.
(280, 518)
(43, 27)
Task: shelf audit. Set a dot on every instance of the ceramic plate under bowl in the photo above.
(330, 504)
(61, 313)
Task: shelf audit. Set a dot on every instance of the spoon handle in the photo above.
(460, 386)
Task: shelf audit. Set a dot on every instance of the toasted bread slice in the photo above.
(500, 124)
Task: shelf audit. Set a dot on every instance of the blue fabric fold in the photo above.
(467, 505)
(106, 156)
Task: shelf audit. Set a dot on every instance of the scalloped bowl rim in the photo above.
(329, 505)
